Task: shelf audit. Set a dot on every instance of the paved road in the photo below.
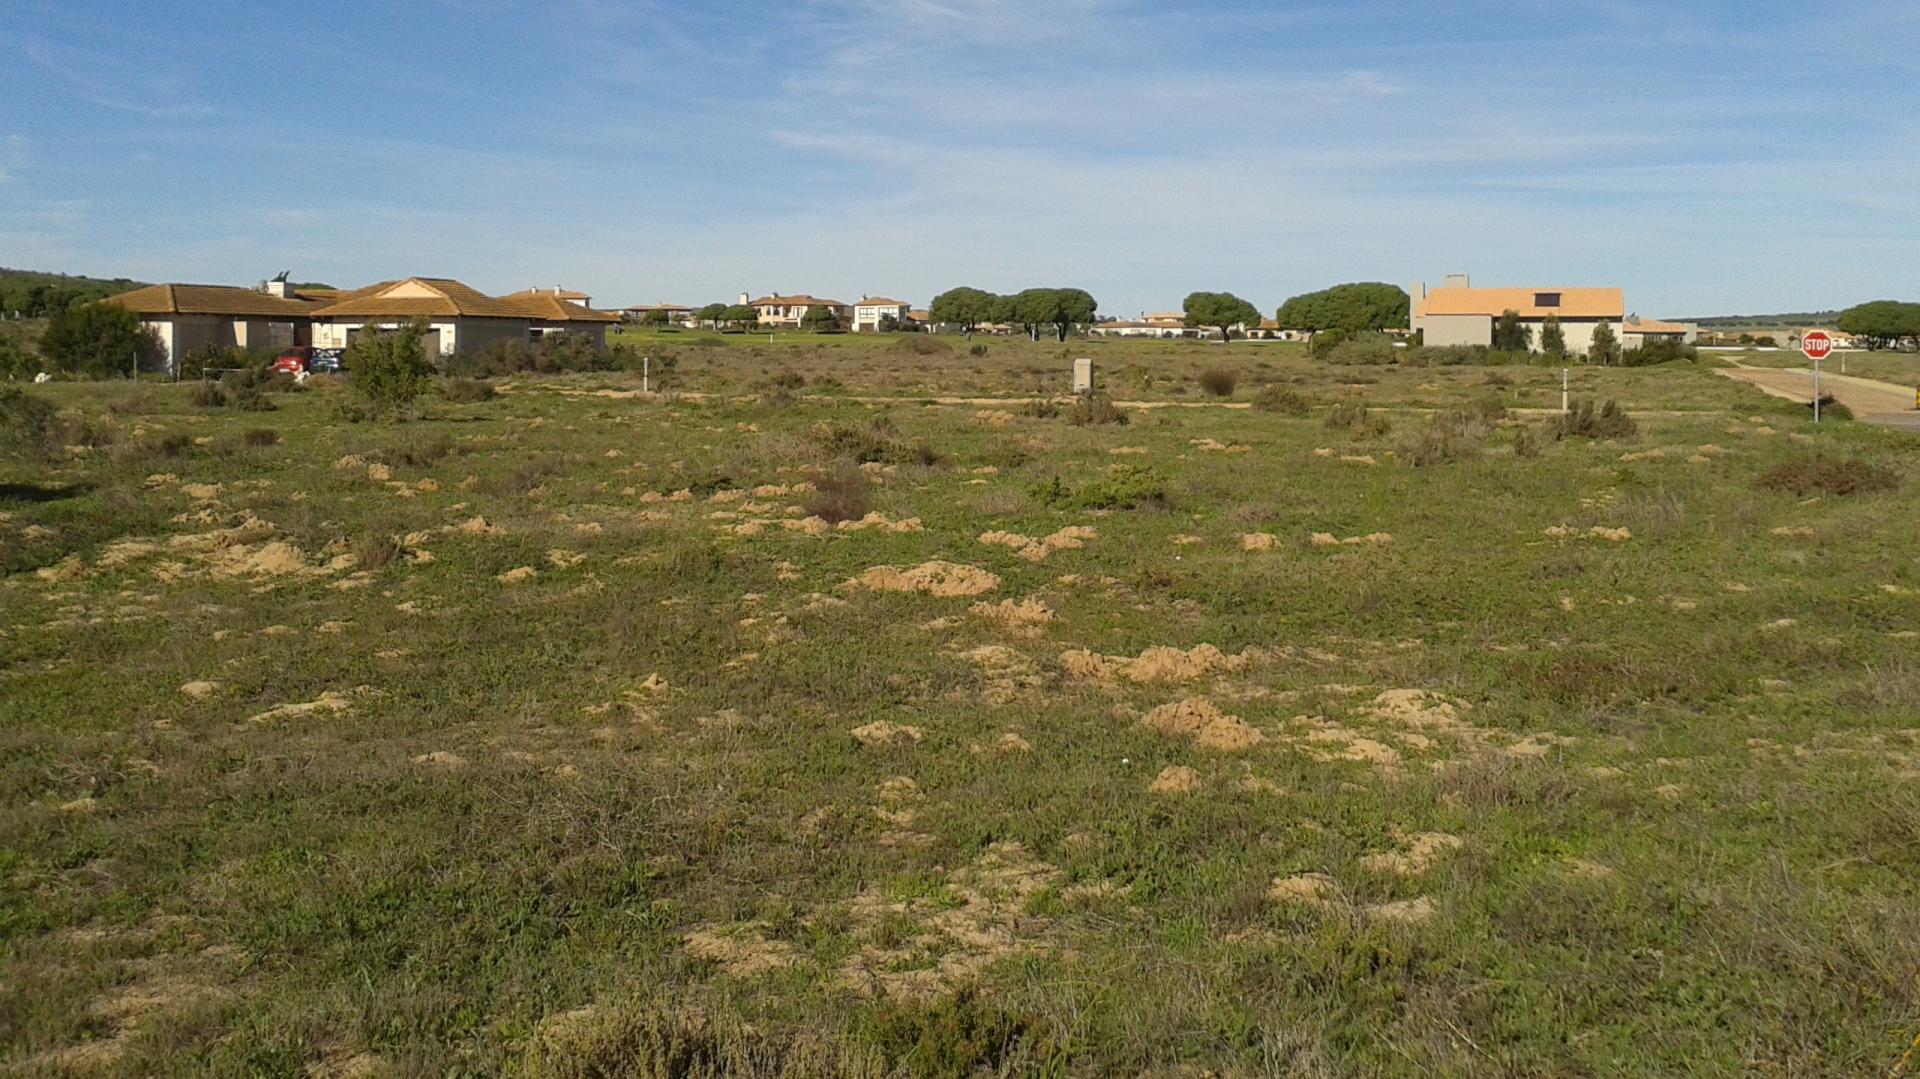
(1886, 403)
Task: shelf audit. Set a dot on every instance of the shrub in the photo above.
(1370, 350)
(1525, 442)
(1095, 409)
(841, 493)
(1283, 400)
(201, 361)
(15, 362)
(1218, 382)
(920, 345)
(26, 424)
(465, 391)
(1357, 418)
(1659, 350)
(1454, 435)
(389, 370)
(1822, 475)
(1583, 421)
(1322, 344)
(553, 353)
(1124, 487)
(375, 552)
(98, 340)
(1830, 409)
(259, 437)
(859, 443)
(977, 350)
(1041, 408)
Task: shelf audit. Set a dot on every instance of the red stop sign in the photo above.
(1817, 345)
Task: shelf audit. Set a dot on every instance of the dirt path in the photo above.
(1887, 403)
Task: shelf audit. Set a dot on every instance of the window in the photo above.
(1546, 299)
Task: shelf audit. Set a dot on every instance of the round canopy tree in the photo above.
(1221, 311)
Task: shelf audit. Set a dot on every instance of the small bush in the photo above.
(389, 370)
(1830, 409)
(26, 424)
(1821, 475)
(1283, 400)
(466, 391)
(1371, 350)
(1659, 350)
(1094, 409)
(841, 493)
(1041, 408)
(1453, 435)
(1525, 442)
(1354, 417)
(915, 344)
(259, 437)
(207, 395)
(977, 350)
(1583, 421)
(1124, 487)
(157, 444)
(133, 404)
(1218, 382)
(375, 552)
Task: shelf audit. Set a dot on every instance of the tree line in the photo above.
(1056, 309)
(1881, 323)
(30, 294)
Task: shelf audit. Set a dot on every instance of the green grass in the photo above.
(1683, 767)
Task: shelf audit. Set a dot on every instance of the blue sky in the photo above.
(1710, 157)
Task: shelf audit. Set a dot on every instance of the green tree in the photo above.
(655, 317)
(1363, 305)
(1219, 310)
(1881, 323)
(712, 315)
(1072, 307)
(1553, 340)
(820, 319)
(1031, 309)
(15, 363)
(965, 307)
(389, 368)
(1605, 347)
(98, 340)
(1510, 334)
(889, 323)
(742, 315)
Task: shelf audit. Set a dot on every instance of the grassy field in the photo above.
(797, 723)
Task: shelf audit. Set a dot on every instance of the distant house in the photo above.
(1456, 313)
(871, 309)
(780, 310)
(188, 318)
(676, 314)
(556, 292)
(459, 318)
(1159, 324)
(1637, 331)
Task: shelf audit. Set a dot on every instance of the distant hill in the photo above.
(35, 293)
(1791, 318)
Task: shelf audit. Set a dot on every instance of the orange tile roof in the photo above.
(802, 300)
(228, 300)
(1494, 302)
(1649, 325)
(447, 298)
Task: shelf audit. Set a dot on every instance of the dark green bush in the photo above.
(26, 424)
(465, 391)
(1094, 409)
(1283, 400)
(1124, 487)
(1218, 382)
(1584, 421)
(1823, 475)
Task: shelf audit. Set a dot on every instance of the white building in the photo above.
(868, 312)
(1456, 313)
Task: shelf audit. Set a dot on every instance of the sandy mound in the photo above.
(1418, 708)
(330, 701)
(1417, 856)
(1022, 618)
(1069, 538)
(1157, 664)
(1258, 541)
(742, 954)
(1327, 539)
(1174, 779)
(1009, 673)
(200, 691)
(1312, 889)
(474, 526)
(517, 574)
(884, 733)
(880, 522)
(1403, 911)
(932, 578)
(1599, 532)
(441, 759)
(1198, 719)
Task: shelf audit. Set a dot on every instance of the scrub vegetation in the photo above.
(842, 711)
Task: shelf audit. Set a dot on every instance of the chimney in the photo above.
(276, 287)
(743, 299)
(1458, 280)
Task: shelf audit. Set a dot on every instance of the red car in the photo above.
(293, 361)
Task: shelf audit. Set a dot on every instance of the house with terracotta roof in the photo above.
(677, 314)
(458, 317)
(779, 310)
(189, 318)
(567, 294)
(1456, 313)
(1637, 331)
(871, 309)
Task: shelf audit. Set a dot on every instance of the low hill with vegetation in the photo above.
(36, 294)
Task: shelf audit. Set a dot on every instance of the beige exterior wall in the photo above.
(866, 317)
(1443, 331)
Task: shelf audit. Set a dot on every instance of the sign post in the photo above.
(1817, 345)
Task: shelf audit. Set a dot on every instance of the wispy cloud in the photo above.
(112, 84)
